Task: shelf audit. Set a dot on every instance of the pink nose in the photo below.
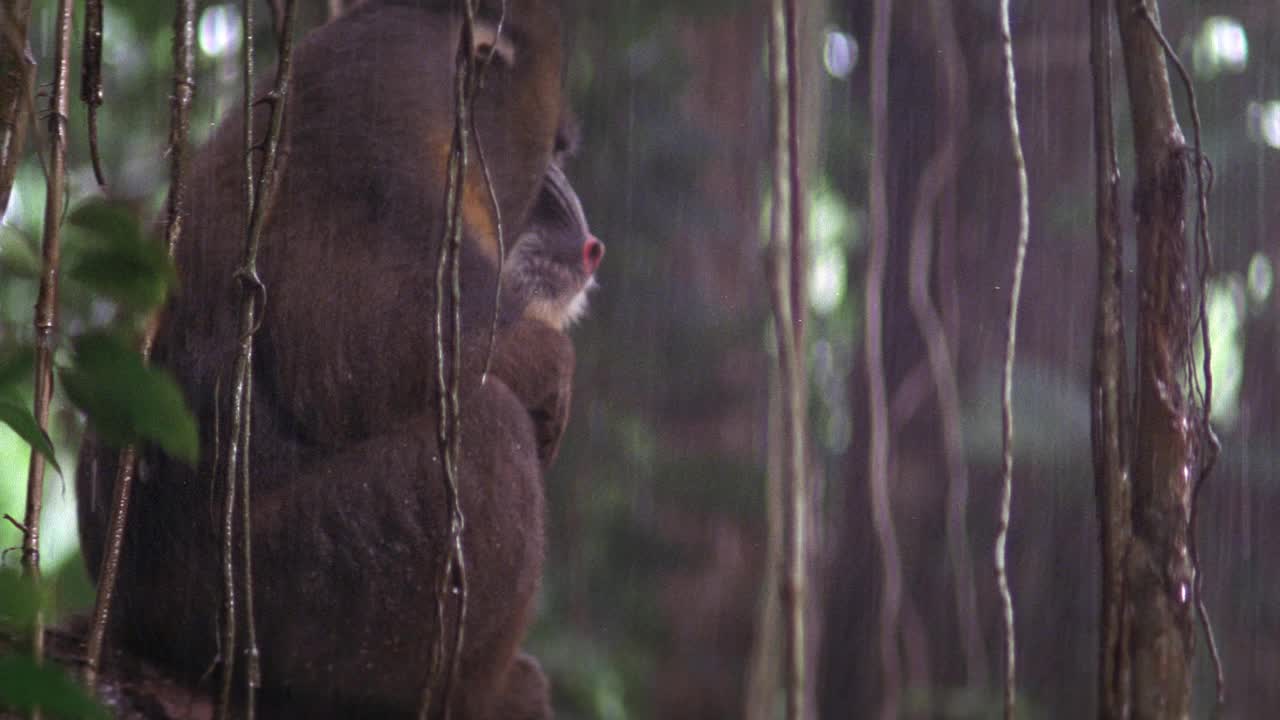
(592, 254)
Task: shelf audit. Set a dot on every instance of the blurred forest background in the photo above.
(655, 579)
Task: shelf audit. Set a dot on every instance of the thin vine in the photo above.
(1006, 499)
(258, 190)
(939, 173)
(493, 195)
(448, 372)
(879, 453)
(785, 237)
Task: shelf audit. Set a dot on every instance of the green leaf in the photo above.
(120, 277)
(18, 256)
(16, 366)
(23, 422)
(25, 685)
(20, 599)
(127, 401)
(110, 221)
(119, 261)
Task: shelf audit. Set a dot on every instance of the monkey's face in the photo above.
(551, 267)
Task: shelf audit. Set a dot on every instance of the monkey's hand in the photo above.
(536, 361)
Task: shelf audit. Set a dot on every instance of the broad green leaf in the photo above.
(25, 685)
(127, 401)
(23, 422)
(119, 261)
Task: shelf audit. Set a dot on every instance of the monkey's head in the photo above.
(516, 111)
(551, 267)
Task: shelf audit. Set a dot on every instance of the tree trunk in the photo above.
(1160, 576)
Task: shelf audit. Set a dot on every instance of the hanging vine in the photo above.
(258, 188)
(879, 452)
(1015, 293)
(785, 272)
(452, 578)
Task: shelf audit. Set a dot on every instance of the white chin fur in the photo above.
(562, 317)
(577, 308)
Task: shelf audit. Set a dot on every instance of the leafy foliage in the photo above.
(23, 684)
(126, 401)
(16, 368)
(119, 262)
(23, 422)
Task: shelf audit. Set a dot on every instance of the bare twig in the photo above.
(179, 131)
(91, 80)
(1024, 231)
(879, 452)
(46, 313)
(16, 523)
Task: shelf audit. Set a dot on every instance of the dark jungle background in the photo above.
(656, 572)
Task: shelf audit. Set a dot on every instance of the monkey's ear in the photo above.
(492, 46)
(568, 138)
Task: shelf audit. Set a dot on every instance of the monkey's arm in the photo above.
(536, 362)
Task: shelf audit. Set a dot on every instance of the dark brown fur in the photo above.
(348, 508)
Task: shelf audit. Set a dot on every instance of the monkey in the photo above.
(349, 518)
